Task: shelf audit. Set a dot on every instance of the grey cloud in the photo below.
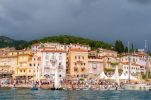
(105, 20)
(141, 1)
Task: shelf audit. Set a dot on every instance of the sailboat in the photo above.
(140, 86)
(57, 85)
(34, 84)
(116, 77)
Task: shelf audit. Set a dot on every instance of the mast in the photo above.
(147, 58)
(129, 71)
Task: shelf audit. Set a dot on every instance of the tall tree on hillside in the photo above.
(126, 49)
(119, 47)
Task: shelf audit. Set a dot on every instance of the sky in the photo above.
(105, 20)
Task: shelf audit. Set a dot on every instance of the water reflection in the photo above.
(26, 94)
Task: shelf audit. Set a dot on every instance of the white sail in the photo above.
(123, 76)
(103, 76)
(116, 76)
(57, 82)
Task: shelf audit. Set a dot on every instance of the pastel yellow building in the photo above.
(77, 62)
(7, 66)
(23, 70)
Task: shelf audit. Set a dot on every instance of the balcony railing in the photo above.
(6, 72)
(53, 60)
(46, 67)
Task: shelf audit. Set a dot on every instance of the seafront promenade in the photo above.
(100, 85)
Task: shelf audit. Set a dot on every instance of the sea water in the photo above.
(27, 94)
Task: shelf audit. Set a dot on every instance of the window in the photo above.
(47, 63)
(60, 57)
(53, 57)
(47, 57)
(75, 57)
(21, 71)
(30, 65)
(34, 64)
(75, 69)
(83, 57)
(82, 69)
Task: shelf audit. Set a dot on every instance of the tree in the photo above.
(126, 49)
(119, 47)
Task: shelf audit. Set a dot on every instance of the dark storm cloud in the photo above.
(106, 20)
(141, 1)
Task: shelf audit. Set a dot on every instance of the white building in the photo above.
(53, 60)
(95, 65)
(135, 69)
(138, 58)
(105, 52)
(58, 46)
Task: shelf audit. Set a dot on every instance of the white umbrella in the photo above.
(116, 76)
(103, 76)
(123, 76)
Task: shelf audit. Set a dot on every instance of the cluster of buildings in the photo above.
(42, 60)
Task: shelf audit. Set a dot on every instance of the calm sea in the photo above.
(26, 94)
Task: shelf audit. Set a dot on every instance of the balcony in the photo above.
(6, 72)
(46, 67)
(60, 67)
(94, 67)
(53, 60)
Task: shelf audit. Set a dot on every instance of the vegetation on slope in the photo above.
(64, 39)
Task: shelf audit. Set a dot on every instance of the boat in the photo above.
(137, 87)
(34, 88)
(56, 85)
(56, 88)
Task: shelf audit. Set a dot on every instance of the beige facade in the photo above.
(7, 66)
(77, 62)
(23, 70)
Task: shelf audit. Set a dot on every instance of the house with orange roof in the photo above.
(77, 62)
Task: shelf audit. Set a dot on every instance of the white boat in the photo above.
(137, 87)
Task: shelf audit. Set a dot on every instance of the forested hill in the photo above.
(8, 42)
(64, 39)
(67, 39)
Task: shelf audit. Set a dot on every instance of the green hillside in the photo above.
(67, 39)
(8, 42)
